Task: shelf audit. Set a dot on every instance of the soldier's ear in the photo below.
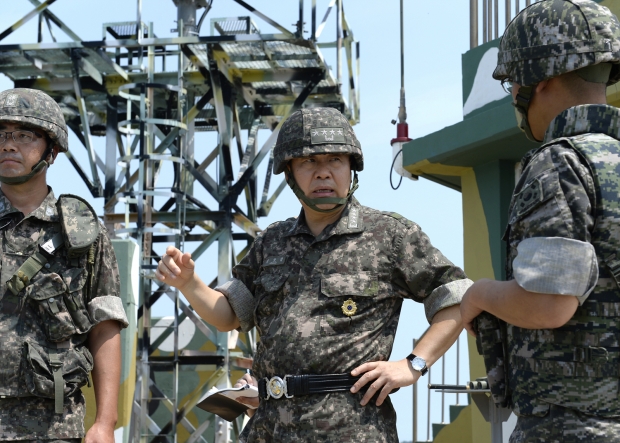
(288, 170)
(54, 153)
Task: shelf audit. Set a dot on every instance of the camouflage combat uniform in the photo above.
(26, 322)
(563, 233)
(294, 286)
(565, 381)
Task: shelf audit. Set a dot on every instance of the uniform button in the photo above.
(47, 266)
(52, 300)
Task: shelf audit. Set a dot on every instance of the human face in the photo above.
(18, 159)
(323, 176)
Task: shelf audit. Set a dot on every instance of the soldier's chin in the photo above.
(327, 206)
(9, 171)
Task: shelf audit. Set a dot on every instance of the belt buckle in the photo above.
(286, 386)
(597, 354)
(266, 388)
(276, 387)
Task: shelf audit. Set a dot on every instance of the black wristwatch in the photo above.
(418, 363)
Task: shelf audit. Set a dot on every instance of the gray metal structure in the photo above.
(148, 96)
(481, 395)
(489, 26)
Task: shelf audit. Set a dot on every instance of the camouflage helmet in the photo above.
(553, 37)
(35, 109)
(316, 131)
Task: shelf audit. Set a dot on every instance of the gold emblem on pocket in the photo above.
(349, 308)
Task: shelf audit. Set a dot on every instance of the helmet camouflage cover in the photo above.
(35, 109)
(316, 131)
(553, 37)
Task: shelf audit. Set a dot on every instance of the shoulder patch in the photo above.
(530, 196)
(400, 218)
(279, 224)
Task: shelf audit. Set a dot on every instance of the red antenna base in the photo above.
(402, 134)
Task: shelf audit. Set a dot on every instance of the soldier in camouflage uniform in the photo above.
(60, 310)
(561, 303)
(325, 291)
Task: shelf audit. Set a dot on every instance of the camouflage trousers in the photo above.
(336, 417)
(33, 418)
(562, 425)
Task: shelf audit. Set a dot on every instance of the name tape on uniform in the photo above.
(274, 261)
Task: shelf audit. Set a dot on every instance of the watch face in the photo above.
(418, 364)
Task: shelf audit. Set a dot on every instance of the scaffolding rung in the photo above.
(169, 217)
(163, 363)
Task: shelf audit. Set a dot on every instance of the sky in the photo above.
(435, 39)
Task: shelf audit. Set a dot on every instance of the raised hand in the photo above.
(175, 268)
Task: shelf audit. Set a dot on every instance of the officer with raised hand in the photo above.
(60, 310)
(325, 291)
(560, 308)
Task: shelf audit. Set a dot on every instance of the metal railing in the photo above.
(484, 24)
(446, 370)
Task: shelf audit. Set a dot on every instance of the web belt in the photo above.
(292, 385)
(34, 264)
(18, 282)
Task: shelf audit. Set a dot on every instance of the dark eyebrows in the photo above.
(25, 128)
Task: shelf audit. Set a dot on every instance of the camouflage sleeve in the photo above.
(555, 265)
(240, 290)
(551, 219)
(104, 301)
(241, 301)
(424, 274)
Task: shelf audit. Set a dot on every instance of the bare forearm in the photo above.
(211, 305)
(105, 345)
(513, 304)
(445, 329)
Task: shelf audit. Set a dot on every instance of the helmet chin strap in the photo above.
(313, 202)
(523, 100)
(35, 169)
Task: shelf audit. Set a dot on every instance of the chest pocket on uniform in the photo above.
(58, 301)
(272, 281)
(46, 297)
(274, 274)
(75, 279)
(38, 369)
(270, 292)
(350, 303)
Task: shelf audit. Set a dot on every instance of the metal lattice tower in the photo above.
(149, 97)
